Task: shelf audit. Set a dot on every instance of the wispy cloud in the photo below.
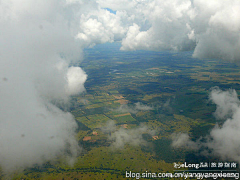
(182, 140)
(124, 108)
(121, 136)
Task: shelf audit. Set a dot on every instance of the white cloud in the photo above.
(210, 28)
(120, 137)
(142, 107)
(136, 39)
(124, 108)
(35, 39)
(223, 141)
(217, 29)
(183, 140)
(227, 102)
(168, 27)
(75, 78)
(100, 26)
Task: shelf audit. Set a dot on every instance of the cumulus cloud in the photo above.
(100, 26)
(37, 45)
(223, 141)
(218, 35)
(168, 29)
(75, 80)
(210, 28)
(124, 108)
(120, 137)
(227, 102)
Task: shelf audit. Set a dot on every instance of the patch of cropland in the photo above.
(161, 92)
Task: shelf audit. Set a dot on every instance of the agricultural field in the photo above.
(155, 93)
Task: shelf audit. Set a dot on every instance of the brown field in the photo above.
(118, 97)
(87, 138)
(122, 101)
(124, 126)
(95, 133)
(120, 115)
